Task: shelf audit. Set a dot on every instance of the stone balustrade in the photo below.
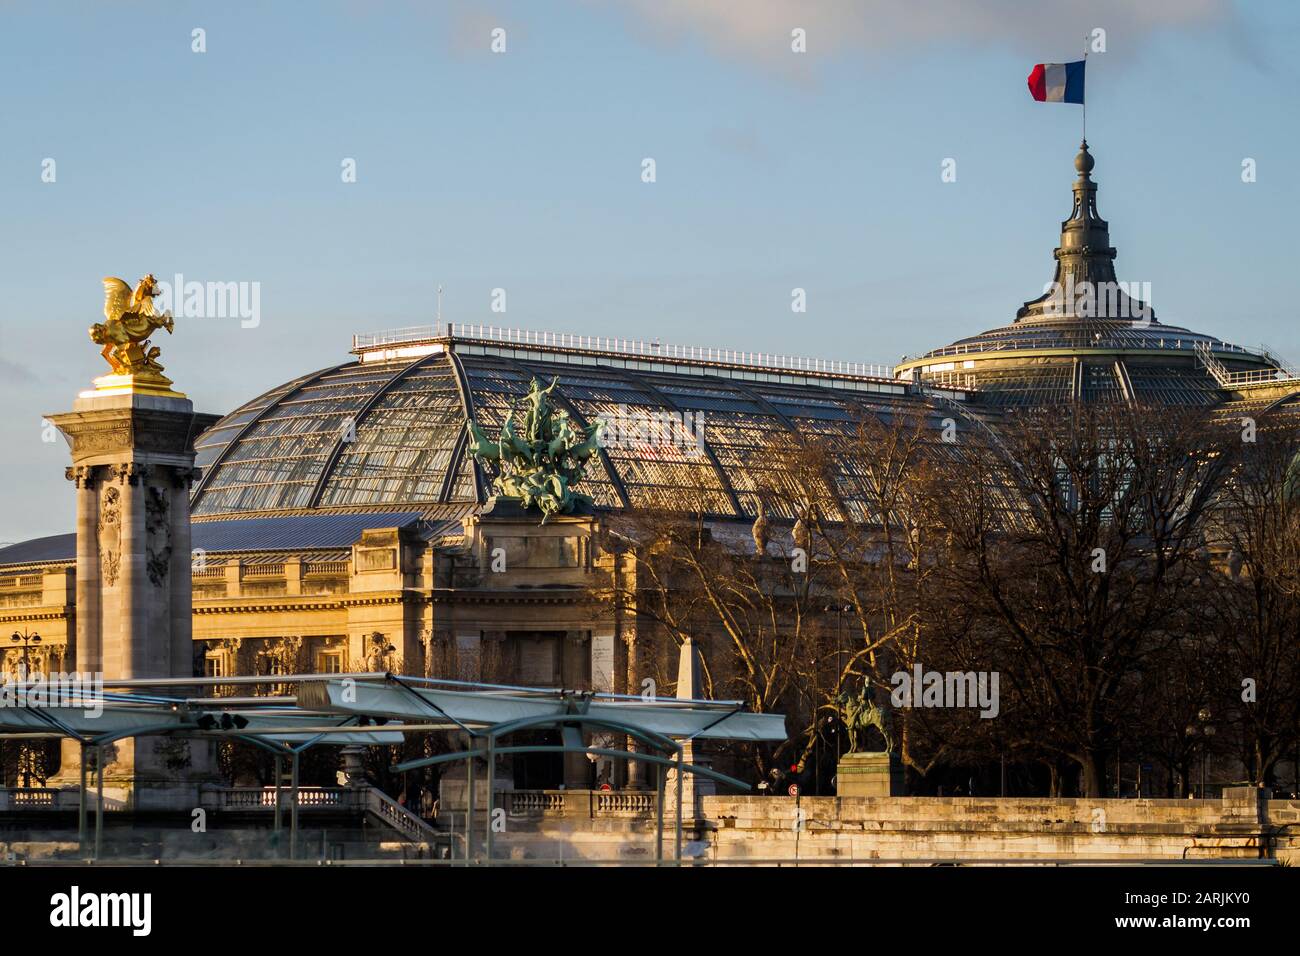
(589, 804)
(291, 578)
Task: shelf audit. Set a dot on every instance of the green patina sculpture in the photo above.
(860, 712)
(538, 463)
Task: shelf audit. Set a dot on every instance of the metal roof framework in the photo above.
(404, 418)
(368, 709)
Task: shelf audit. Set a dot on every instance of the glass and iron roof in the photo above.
(388, 430)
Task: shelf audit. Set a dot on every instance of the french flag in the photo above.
(1057, 82)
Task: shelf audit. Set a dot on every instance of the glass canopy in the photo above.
(391, 432)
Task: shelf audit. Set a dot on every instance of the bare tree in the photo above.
(1086, 571)
(1256, 607)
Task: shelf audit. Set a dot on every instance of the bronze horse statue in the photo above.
(859, 712)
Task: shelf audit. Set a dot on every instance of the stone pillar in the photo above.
(605, 679)
(469, 645)
(132, 461)
(85, 646)
(635, 769)
(689, 687)
(574, 660)
(126, 640)
(182, 606)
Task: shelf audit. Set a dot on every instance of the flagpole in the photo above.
(1085, 88)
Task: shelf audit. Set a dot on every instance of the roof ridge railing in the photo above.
(1281, 372)
(1268, 352)
(615, 345)
(1099, 340)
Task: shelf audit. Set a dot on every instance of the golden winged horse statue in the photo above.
(129, 320)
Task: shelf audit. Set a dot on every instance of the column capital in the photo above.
(82, 475)
(185, 477)
(129, 473)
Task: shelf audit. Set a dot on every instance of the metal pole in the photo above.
(293, 810)
(469, 806)
(491, 797)
(681, 786)
(81, 806)
(99, 801)
(279, 775)
(659, 822)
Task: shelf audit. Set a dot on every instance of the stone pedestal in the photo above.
(133, 464)
(874, 774)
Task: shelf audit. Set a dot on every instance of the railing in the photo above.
(1279, 374)
(21, 581)
(616, 346)
(263, 570)
(325, 567)
(1173, 343)
(624, 803)
(42, 798)
(398, 817)
(263, 798)
(521, 802)
(589, 803)
(1291, 372)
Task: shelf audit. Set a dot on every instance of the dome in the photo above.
(1089, 337)
(388, 430)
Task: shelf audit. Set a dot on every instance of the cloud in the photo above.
(11, 373)
(760, 30)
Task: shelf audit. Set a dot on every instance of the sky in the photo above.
(522, 169)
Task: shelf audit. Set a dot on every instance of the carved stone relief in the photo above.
(158, 535)
(110, 534)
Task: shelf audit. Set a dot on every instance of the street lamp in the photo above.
(1205, 730)
(27, 641)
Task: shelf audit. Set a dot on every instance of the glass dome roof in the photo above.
(391, 432)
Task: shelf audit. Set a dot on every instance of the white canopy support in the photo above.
(668, 716)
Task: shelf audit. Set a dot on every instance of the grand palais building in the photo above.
(338, 519)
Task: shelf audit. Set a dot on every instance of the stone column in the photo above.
(132, 456)
(604, 679)
(574, 660)
(468, 647)
(635, 769)
(86, 649)
(126, 646)
(181, 571)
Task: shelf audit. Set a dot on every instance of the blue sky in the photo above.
(522, 171)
